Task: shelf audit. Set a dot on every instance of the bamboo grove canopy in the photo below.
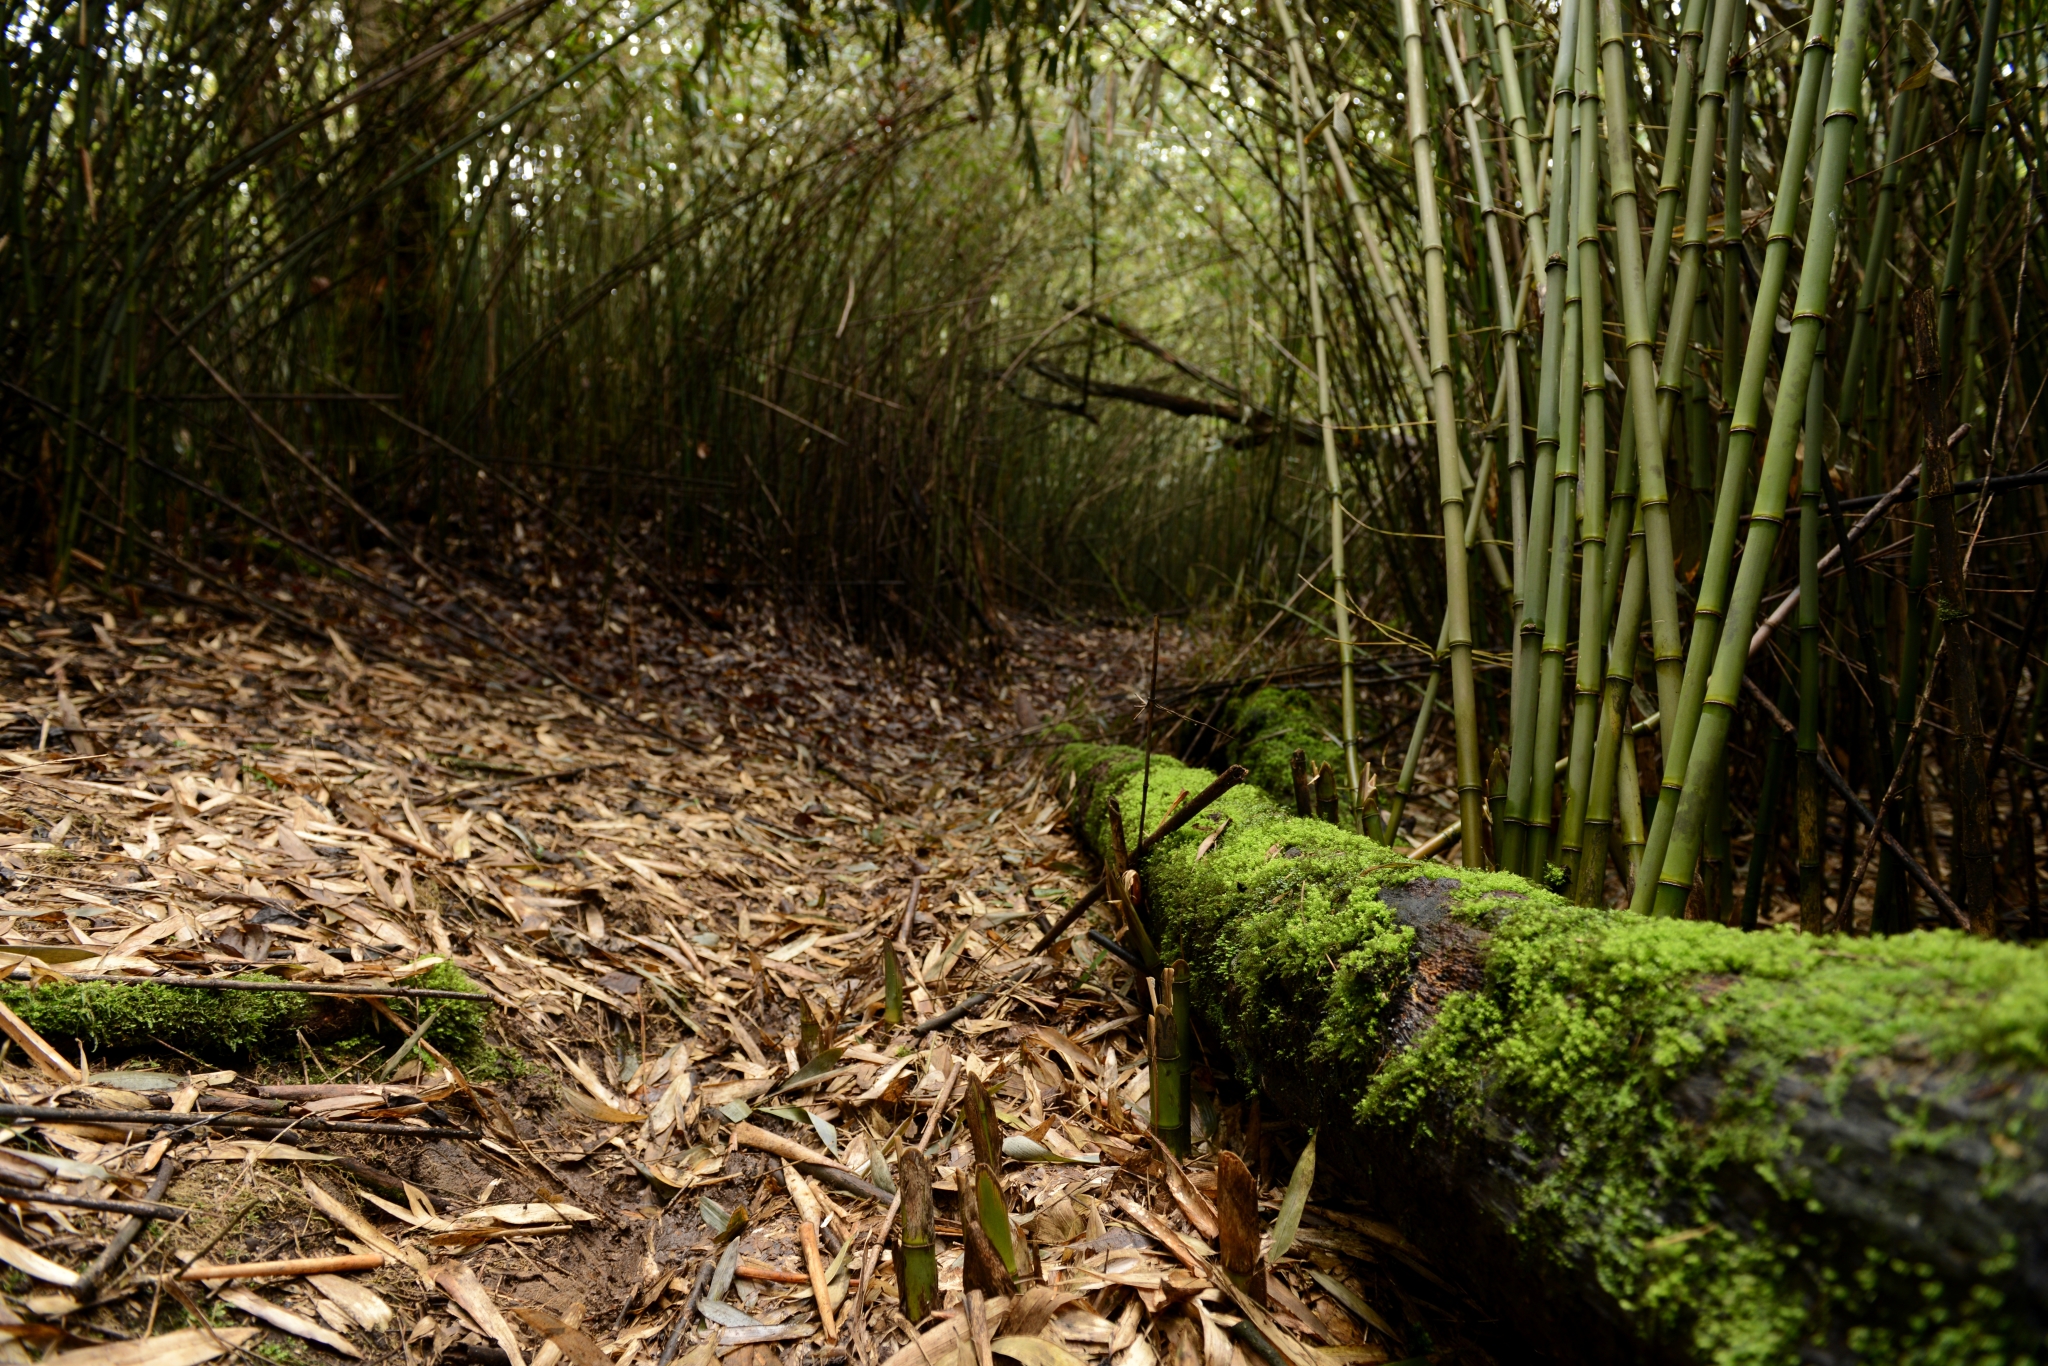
(1702, 334)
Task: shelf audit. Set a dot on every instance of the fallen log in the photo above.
(1633, 1139)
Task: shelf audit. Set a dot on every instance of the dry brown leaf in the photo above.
(298, 1325)
(460, 1284)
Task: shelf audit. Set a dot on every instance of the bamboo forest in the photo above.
(1095, 682)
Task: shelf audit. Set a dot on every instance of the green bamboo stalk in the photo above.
(1564, 518)
(1508, 74)
(1521, 846)
(1641, 301)
(1169, 1101)
(1767, 514)
(1424, 714)
(1507, 309)
(1592, 500)
(1965, 212)
(1717, 570)
(1628, 788)
(1510, 77)
(1621, 673)
(1385, 286)
(1333, 469)
(1901, 120)
(1444, 413)
(1734, 191)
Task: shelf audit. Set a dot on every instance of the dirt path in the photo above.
(670, 928)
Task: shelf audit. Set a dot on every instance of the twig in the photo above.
(1229, 778)
(398, 1054)
(1865, 815)
(291, 1266)
(136, 1209)
(96, 1270)
(675, 1337)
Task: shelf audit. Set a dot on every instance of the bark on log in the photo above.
(1633, 1139)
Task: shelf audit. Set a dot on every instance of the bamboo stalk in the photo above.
(1529, 717)
(1964, 214)
(1564, 498)
(1507, 308)
(1333, 470)
(1641, 301)
(1509, 75)
(1592, 500)
(1384, 285)
(892, 985)
(1904, 116)
(917, 1267)
(1629, 795)
(1621, 660)
(1443, 413)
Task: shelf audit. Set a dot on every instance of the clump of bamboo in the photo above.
(1809, 314)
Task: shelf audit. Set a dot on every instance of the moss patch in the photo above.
(1760, 1147)
(1269, 725)
(220, 1025)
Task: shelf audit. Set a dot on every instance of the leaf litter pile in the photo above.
(588, 1036)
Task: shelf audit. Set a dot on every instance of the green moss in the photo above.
(109, 1016)
(219, 1025)
(1268, 726)
(1655, 1077)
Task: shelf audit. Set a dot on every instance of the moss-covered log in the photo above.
(224, 1026)
(1637, 1139)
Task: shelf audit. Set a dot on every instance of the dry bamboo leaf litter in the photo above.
(686, 1067)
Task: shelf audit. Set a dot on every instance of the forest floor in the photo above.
(680, 934)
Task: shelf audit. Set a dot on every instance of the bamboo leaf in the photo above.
(892, 985)
(1931, 70)
(824, 1062)
(1348, 1297)
(1033, 1351)
(1288, 1221)
(995, 1219)
(51, 953)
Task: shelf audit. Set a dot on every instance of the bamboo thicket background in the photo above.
(930, 314)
